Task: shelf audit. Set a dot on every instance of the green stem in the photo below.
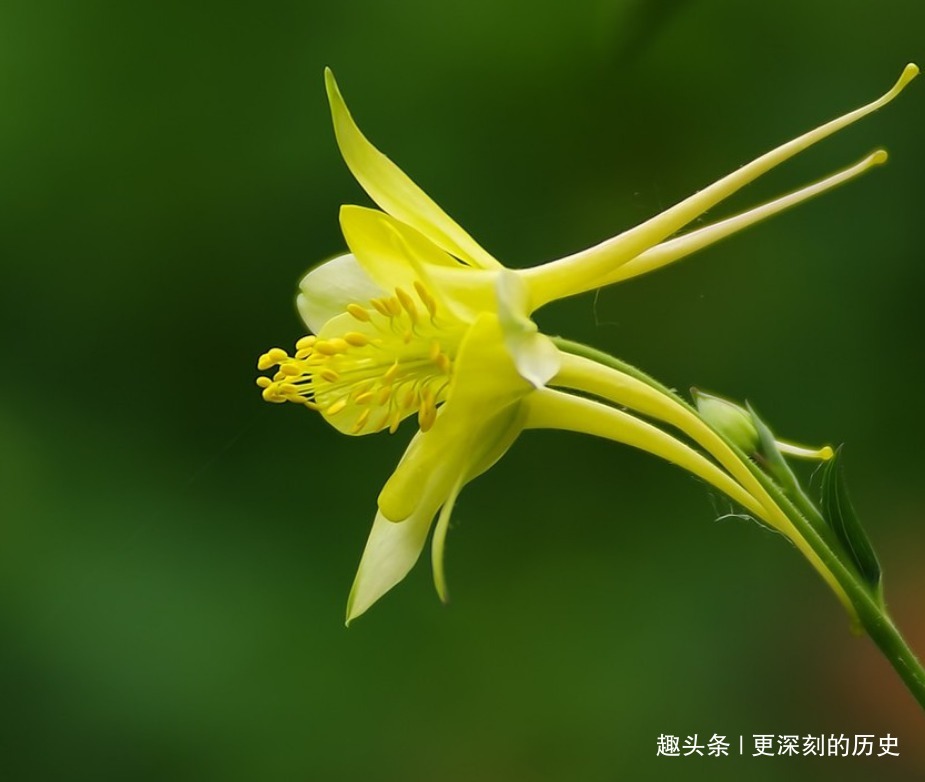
(871, 612)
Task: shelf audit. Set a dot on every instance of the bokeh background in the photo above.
(175, 555)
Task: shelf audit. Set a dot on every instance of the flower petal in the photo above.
(395, 254)
(438, 543)
(393, 547)
(329, 287)
(485, 384)
(392, 190)
(535, 356)
(497, 436)
(391, 551)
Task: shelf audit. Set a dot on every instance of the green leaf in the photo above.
(841, 516)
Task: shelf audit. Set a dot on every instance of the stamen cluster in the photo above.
(397, 360)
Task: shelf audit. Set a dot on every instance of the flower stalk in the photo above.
(865, 605)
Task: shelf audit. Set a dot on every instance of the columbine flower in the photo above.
(418, 319)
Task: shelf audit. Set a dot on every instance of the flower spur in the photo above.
(419, 319)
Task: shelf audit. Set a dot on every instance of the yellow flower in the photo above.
(419, 319)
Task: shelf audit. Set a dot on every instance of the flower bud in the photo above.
(730, 420)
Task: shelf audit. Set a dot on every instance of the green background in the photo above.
(175, 554)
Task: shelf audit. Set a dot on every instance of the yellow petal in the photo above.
(395, 254)
(534, 354)
(393, 547)
(485, 386)
(394, 192)
(496, 436)
(438, 543)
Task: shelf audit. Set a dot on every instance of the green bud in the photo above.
(728, 419)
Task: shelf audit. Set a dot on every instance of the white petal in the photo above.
(329, 287)
(391, 551)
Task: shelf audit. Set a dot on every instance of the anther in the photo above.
(271, 357)
(330, 375)
(364, 398)
(358, 312)
(428, 300)
(306, 342)
(408, 303)
(390, 373)
(264, 382)
(361, 421)
(335, 408)
(356, 339)
(394, 306)
(380, 306)
(427, 415)
(330, 347)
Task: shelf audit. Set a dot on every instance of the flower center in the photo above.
(397, 359)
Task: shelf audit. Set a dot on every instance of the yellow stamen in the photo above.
(356, 339)
(426, 298)
(361, 421)
(358, 312)
(390, 373)
(337, 407)
(271, 357)
(381, 307)
(408, 303)
(397, 363)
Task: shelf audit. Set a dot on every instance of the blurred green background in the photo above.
(175, 554)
